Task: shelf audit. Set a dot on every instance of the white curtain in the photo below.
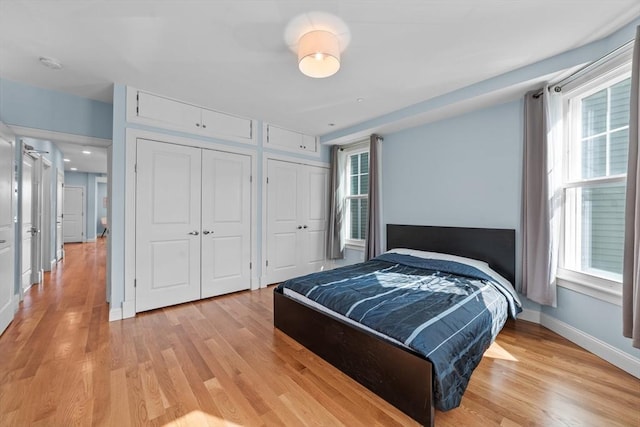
(335, 236)
(542, 195)
(631, 269)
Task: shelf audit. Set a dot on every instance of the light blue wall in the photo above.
(88, 182)
(33, 107)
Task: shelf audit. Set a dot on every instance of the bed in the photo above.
(391, 368)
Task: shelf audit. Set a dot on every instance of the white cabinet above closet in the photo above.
(285, 139)
(155, 110)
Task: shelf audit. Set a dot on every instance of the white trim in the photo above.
(131, 137)
(267, 145)
(115, 314)
(530, 315)
(51, 135)
(128, 309)
(596, 287)
(605, 351)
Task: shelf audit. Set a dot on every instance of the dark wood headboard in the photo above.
(495, 246)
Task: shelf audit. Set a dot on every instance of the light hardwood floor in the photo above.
(220, 362)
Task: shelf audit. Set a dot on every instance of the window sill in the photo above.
(355, 246)
(595, 287)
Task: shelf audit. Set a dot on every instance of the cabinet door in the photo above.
(283, 221)
(226, 222)
(169, 113)
(216, 123)
(309, 143)
(167, 224)
(314, 223)
(284, 138)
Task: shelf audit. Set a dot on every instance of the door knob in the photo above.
(207, 232)
(304, 226)
(194, 233)
(299, 227)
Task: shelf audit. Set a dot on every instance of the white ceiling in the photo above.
(233, 55)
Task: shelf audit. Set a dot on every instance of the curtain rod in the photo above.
(557, 87)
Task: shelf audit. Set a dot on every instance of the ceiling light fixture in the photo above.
(319, 54)
(52, 63)
(66, 160)
(74, 169)
(86, 152)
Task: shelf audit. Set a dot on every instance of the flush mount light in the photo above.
(86, 152)
(74, 169)
(318, 40)
(66, 160)
(319, 54)
(52, 63)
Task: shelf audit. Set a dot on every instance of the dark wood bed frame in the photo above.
(399, 375)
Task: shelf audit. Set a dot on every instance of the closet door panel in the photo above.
(226, 222)
(167, 224)
(315, 218)
(283, 221)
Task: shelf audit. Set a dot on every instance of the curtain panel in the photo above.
(631, 266)
(335, 235)
(541, 195)
(374, 235)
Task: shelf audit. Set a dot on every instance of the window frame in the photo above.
(355, 149)
(596, 283)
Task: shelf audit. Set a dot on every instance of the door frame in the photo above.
(33, 278)
(126, 258)
(265, 160)
(14, 296)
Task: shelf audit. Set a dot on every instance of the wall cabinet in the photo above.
(285, 139)
(160, 111)
(297, 197)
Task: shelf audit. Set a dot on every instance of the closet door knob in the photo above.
(304, 226)
(193, 233)
(299, 227)
(207, 232)
(197, 124)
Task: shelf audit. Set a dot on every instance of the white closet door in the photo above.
(315, 210)
(226, 222)
(167, 224)
(6, 234)
(284, 228)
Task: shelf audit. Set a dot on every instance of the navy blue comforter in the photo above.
(447, 311)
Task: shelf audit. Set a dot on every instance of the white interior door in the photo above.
(168, 184)
(28, 227)
(315, 212)
(284, 229)
(59, 212)
(226, 222)
(73, 214)
(46, 218)
(6, 234)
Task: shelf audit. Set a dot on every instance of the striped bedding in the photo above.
(446, 310)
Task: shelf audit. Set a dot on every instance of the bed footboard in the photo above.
(398, 375)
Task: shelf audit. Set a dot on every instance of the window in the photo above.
(595, 175)
(357, 195)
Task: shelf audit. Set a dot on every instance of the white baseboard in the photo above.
(115, 314)
(128, 309)
(16, 303)
(611, 354)
(530, 315)
(90, 240)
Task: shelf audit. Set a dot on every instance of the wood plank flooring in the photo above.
(220, 362)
